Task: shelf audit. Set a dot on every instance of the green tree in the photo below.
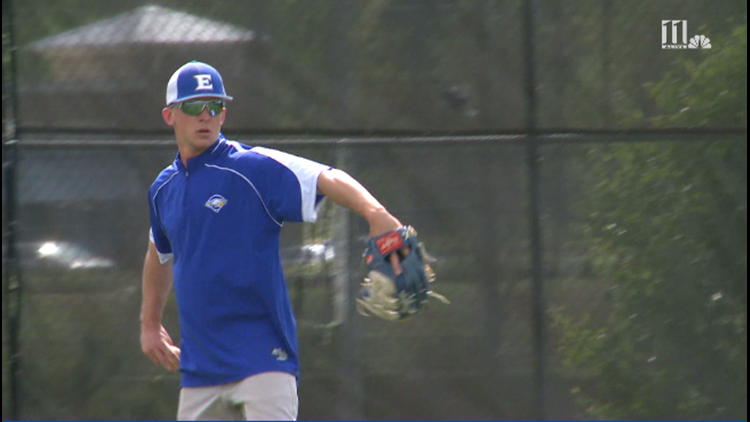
(668, 225)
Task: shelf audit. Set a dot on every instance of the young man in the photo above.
(216, 216)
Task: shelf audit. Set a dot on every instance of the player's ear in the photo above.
(223, 115)
(168, 115)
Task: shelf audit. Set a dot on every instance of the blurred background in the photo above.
(578, 167)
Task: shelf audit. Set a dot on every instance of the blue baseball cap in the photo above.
(195, 80)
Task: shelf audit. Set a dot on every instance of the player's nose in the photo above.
(205, 113)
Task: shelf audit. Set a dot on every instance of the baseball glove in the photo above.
(392, 297)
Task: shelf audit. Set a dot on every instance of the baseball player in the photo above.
(216, 216)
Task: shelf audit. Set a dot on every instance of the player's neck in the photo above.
(189, 150)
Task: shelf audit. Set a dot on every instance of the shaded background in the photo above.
(584, 189)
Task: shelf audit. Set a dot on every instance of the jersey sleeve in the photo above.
(294, 196)
(156, 233)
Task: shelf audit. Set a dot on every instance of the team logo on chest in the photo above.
(215, 203)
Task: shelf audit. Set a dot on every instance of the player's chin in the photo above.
(204, 136)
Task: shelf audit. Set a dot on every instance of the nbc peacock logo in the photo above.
(699, 41)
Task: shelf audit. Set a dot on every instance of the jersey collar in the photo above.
(204, 157)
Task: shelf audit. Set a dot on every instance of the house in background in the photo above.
(112, 74)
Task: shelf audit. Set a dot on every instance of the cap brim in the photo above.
(196, 96)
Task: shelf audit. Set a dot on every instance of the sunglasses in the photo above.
(195, 107)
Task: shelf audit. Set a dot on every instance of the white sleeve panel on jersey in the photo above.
(307, 172)
(163, 257)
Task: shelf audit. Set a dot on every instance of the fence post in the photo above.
(349, 372)
(534, 168)
(13, 282)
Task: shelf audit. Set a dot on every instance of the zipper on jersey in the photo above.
(186, 193)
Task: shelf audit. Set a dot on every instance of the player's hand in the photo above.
(384, 222)
(390, 296)
(158, 346)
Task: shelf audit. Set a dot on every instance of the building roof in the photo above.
(148, 25)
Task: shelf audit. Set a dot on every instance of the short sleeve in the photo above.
(295, 196)
(156, 233)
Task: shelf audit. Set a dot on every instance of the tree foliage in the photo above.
(668, 225)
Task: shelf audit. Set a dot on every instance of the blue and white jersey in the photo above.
(220, 220)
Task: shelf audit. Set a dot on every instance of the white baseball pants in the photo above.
(265, 396)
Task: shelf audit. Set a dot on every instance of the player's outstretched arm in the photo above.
(157, 284)
(391, 295)
(344, 190)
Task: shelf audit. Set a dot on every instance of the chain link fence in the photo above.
(630, 159)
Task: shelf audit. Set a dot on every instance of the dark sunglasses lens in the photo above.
(195, 108)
